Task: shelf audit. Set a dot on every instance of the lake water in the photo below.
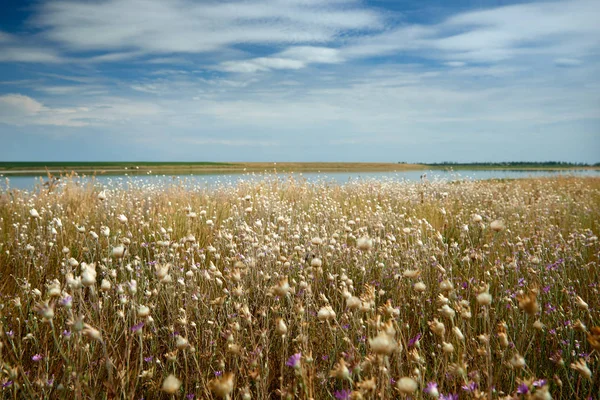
(208, 180)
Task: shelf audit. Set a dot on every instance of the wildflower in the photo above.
(45, 310)
(66, 301)
(181, 343)
(326, 313)
(579, 326)
(593, 337)
(448, 348)
(282, 288)
(497, 225)
(37, 357)
(420, 287)
(92, 333)
(476, 218)
(528, 302)
(522, 388)
(364, 244)
(470, 387)
(517, 361)
(343, 394)
(406, 385)
(437, 327)
(102, 195)
(484, 298)
(446, 286)
(458, 333)
(432, 390)
(53, 288)
(280, 327)
(105, 231)
(353, 303)
(118, 252)
(33, 213)
(294, 360)
(582, 367)
(414, 341)
(581, 304)
(451, 396)
(383, 344)
(122, 218)
(223, 386)
(143, 311)
(171, 384)
(105, 285)
(447, 311)
(538, 325)
(340, 371)
(88, 276)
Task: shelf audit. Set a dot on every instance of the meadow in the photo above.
(283, 288)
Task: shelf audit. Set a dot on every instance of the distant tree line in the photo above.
(515, 164)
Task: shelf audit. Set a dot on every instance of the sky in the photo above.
(300, 80)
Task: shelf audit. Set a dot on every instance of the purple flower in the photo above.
(137, 327)
(66, 301)
(148, 359)
(450, 396)
(294, 360)
(7, 384)
(37, 357)
(218, 373)
(414, 341)
(540, 383)
(431, 388)
(523, 389)
(190, 396)
(546, 289)
(66, 333)
(470, 387)
(343, 394)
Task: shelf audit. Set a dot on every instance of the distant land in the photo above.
(146, 167)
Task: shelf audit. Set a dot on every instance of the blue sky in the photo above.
(300, 80)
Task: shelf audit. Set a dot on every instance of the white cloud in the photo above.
(17, 105)
(21, 110)
(261, 64)
(183, 26)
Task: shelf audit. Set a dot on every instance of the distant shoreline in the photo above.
(174, 168)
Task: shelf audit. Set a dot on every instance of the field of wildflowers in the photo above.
(281, 288)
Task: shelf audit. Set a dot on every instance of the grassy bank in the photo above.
(37, 168)
(107, 168)
(290, 289)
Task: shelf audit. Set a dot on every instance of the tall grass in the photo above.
(284, 288)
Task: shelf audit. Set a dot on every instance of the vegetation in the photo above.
(284, 288)
(511, 165)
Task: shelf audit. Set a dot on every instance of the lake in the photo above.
(208, 180)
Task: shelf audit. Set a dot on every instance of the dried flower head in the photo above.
(171, 384)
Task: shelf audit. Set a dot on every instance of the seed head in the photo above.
(406, 385)
(383, 344)
(171, 384)
(223, 386)
(582, 367)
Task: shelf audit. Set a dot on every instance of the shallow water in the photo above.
(207, 180)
